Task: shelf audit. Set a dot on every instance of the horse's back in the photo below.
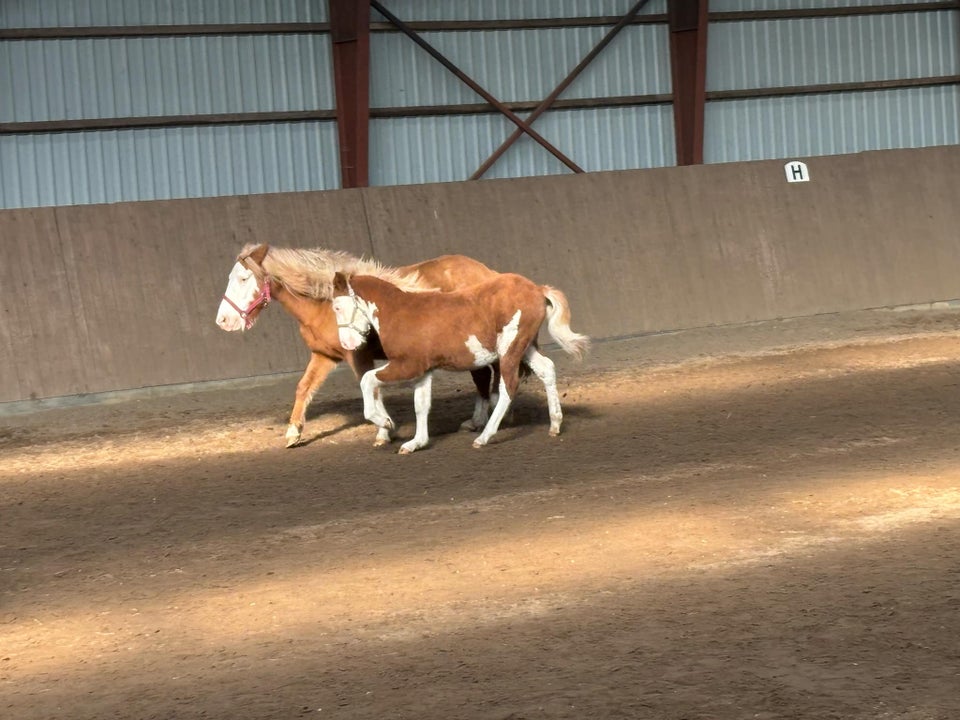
(450, 272)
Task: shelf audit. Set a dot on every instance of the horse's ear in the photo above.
(339, 282)
(259, 253)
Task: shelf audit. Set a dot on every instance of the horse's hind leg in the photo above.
(481, 406)
(421, 402)
(544, 369)
(509, 382)
(313, 377)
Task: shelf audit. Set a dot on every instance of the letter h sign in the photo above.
(796, 171)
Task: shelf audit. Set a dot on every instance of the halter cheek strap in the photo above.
(263, 297)
(353, 316)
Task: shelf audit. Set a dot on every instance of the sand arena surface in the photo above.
(759, 521)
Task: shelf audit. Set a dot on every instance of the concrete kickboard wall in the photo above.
(112, 297)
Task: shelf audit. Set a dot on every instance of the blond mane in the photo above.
(309, 272)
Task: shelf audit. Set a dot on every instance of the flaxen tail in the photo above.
(558, 323)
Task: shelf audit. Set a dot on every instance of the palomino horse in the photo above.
(302, 282)
(496, 320)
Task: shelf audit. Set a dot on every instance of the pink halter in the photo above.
(263, 297)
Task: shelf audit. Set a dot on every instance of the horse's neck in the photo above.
(298, 306)
(377, 290)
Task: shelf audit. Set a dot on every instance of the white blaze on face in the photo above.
(353, 324)
(241, 289)
(344, 308)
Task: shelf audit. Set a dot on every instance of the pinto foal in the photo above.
(496, 320)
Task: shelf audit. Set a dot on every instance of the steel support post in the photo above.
(350, 33)
(688, 64)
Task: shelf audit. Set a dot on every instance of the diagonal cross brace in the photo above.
(511, 116)
(564, 84)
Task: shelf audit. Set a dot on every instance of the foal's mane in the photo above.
(309, 272)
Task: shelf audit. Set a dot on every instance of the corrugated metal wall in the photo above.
(799, 53)
(420, 150)
(164, 163)
(418, 10)
(519, 65)
(831, 124)
(168, 76)
(785, 53)
(101, 13)
(136, 77)
(735, 5)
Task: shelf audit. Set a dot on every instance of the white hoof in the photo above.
(383, 437)
(478, 444)
(292, 436)
(412, 446)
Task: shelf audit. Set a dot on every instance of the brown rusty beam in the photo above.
(838, 12)
(519, 106)
(473, 85)
(131, 31)
(296, 116)
(564, 84)
(350, 33)
(162, 121)
(116, 31)
(688, 66)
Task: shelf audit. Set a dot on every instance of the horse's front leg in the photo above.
(422, 393)
(313, 377)
(361, 361)
(373, 407)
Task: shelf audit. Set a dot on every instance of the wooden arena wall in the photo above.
(123, 296)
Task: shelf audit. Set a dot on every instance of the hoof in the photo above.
(554, 433)
(292, 436)
(478, 444)
(468, 426)
(383, 437)
(411, 446)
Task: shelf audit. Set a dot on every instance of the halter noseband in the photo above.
(263, 297)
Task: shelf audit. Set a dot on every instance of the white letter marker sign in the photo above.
(796, 171)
